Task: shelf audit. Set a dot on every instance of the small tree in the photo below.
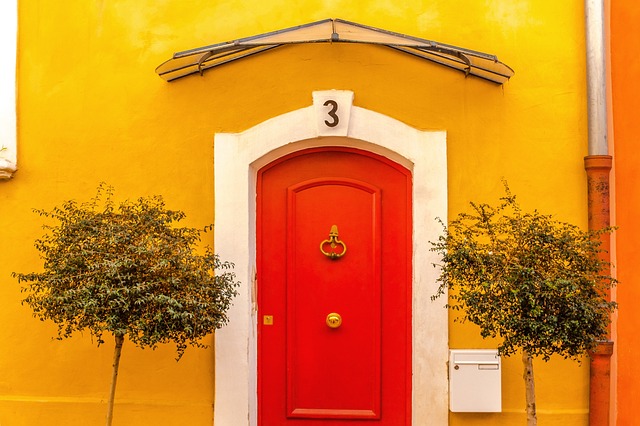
(128, 271)
(536, 283)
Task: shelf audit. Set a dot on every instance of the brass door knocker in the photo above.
(333, 242)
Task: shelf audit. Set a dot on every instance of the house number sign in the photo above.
(335, 119)
(332, 112)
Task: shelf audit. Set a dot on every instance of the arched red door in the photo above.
(334, 290)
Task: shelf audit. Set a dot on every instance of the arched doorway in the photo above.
(239, 157)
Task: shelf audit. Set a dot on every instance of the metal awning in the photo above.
(335, 31)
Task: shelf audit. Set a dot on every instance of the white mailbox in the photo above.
(475, 384)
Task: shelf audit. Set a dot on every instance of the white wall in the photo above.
(8, 42)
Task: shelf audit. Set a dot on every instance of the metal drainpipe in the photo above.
(598, 167)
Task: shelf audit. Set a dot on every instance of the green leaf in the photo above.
(537, 283)
(129, 270)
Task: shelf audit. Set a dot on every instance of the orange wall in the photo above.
(625, 73)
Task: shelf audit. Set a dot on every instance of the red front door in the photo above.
(334, 290)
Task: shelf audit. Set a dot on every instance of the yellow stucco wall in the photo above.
(91, 109)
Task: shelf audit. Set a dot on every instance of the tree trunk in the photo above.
(114, 377)
(527, 360)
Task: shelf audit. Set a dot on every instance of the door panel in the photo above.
(308, 372)
(322, 361)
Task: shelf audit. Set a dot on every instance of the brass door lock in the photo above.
(334, 320)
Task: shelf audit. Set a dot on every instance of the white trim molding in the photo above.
(239, 156)
(8, 46)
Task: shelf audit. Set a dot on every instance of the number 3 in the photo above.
(332, 113)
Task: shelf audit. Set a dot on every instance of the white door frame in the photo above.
(238, 157)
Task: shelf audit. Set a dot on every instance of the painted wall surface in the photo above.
(91, 109)
(8, 42)
(625, 69)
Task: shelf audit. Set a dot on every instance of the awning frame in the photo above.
(468, 61)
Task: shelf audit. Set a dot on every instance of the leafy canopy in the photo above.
(537, 283)
(128, 270)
